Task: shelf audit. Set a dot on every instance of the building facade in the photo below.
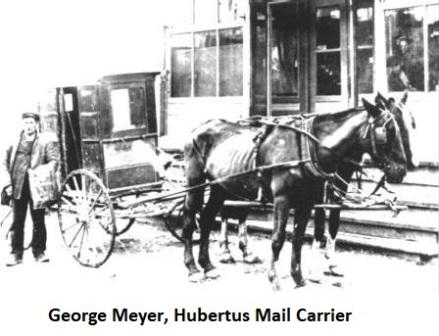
(235, 58)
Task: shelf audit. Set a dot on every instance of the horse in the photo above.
(406, 124)
(223, 153)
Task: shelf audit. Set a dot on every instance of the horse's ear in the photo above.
(404, 97)
(380, 100)
(370, 108)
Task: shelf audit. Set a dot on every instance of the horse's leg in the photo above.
(247, 254)
(315, 265)
(207, 218)
(281, 212)
(301, 217)
(334, 223)
(193, 203)
(226, 256)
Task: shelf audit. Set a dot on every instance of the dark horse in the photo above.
(223, 152)
(406, 124)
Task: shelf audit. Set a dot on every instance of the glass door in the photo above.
(283, 55)
(329, 48)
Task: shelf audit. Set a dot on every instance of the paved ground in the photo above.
(146, 271)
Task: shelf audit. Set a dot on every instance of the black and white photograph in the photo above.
(174, 167)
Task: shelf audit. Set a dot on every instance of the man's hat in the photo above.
(34, 115)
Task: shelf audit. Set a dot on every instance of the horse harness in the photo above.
(302, 125)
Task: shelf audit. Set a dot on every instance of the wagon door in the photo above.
(129, 130)
(89, 121)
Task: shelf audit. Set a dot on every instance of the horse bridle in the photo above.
(378, 134)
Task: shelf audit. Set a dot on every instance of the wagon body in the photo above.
(110, 129)
(107, 138)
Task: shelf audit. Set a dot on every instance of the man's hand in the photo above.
(8, 191)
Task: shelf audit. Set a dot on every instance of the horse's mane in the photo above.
(339, 114)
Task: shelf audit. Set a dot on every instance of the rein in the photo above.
(371, 129)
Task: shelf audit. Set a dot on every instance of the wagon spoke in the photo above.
(67, 201)
(82, 241)
(76, 235)
(70, 227)
(75, 182)
(94, 202)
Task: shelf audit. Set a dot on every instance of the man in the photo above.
(30, 151)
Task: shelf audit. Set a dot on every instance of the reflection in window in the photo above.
(205, 63)
(181, 47)
(230, 62)
(128, 109)
(259, 47)
(328, 51)
(284, 51)
(433, 46)
(328, 28)
(328, 74)
(364, 42)
(405, 49)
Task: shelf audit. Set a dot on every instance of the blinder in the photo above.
(380, 135)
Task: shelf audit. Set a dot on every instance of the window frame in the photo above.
(194, 28)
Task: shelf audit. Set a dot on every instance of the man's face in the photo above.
(29, 126)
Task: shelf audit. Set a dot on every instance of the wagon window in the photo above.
(128, 108)
(68, 102)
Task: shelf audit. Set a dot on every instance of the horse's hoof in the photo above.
(226, 258)
(212, 274)
(334, 270)
(275, 286)
(300, 284)
(298, 279)
(272, 277)
(252, 259)
(196, 277)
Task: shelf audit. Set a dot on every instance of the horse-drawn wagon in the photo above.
(107, 139)
(110, 165)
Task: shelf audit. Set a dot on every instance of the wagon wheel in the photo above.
(174, 222)
(86, 218)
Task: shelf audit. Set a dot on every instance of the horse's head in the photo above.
(406, 123)
(385, 142)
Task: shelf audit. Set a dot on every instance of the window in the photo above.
(205, 63)
(364, 44)
(433, 46)
(230, 62)
(208, 62)
(181, 64)
(412, 46)
(127, 106)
